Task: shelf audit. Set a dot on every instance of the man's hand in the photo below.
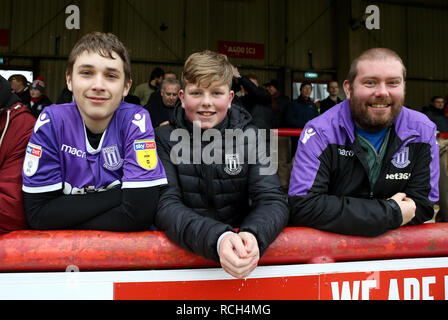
(236, 73)
(407, 206)
(239, 254)
(250, 244)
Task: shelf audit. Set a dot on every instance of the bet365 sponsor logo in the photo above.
(398, 176)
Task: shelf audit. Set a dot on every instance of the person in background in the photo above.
(156, 96)
(280, 105)
(333, 98)
(144, 90)
(301, 110)
(19, 86)
(162, 109)
(65, 96)
(16, 125)
(369, 164)
(442, 214)
(436, 113)
(38, 98)
(255, 99)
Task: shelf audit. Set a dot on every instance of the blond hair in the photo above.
(205, 67)
(373, 54)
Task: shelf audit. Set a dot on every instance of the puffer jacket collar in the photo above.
(236, 118)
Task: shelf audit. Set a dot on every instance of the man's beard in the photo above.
(366, 121)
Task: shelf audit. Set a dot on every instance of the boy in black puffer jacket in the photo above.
(214, 185)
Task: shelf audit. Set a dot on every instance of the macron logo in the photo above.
(139, 121)
(41, 121)
(308, 133)
(72, 150)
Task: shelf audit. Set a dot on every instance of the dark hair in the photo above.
(436, 97)
(274, 83)
(306, 83)
(104, 44)
(157, 73)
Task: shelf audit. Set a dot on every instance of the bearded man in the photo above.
(368, 164)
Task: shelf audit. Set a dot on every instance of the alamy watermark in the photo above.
(73, 20)
(373, 20)
(240, 147)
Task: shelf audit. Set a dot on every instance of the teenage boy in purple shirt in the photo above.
(92, 163)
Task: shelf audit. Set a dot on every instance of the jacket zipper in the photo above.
(209, 184)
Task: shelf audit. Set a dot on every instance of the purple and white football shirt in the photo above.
(59, 155)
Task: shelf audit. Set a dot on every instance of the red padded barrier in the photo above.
(29, 250)
(287, 132)
(100, 250)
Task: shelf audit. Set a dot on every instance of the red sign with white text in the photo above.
(416, 284)
(421, 284)
(245, 50)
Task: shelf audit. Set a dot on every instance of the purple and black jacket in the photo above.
(329, 187)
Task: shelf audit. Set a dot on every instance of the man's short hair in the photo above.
(272, 83)
(104, 44)
(436, 98)
(205, 67)
(373, 54)
(156, 73)
(306, 83)
(170, 81)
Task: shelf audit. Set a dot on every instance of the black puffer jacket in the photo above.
(202, 201)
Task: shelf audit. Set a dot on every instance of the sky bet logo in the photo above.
(35, 151)
(144, 145)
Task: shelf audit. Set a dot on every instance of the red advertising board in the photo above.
(395, 279)
(412, 284)
(419, 284)
(245, 50)
(284, 288)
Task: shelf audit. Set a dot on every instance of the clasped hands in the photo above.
(239, 254)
